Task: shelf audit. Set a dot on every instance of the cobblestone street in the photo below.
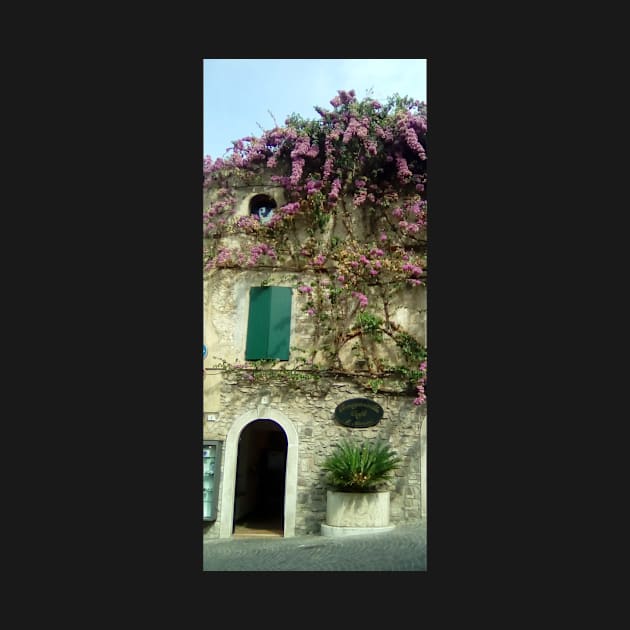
(402, 549)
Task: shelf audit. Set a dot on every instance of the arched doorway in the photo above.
(260, 480)
(228, 484)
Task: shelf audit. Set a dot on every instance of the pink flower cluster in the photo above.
(249, 224)
(413, 272)
(356, 128)
(274, 137)
(224, 257)
(281, 181)
(319, 260)
(404, 174)
(312, 186)
(343, 155)
(301, 147)
(371, 266)
(359, 198)
(328, 165)
(413, 269)
(411, 138)
(385, 134)
(207, 165)
(343, 98)
(220, 207)
(363, 301)
(419, 123)
(370, 146)
(260, 250)
(333, 195)
(296, 170)
(421, 398)
(329, 150)
(290, 208)
(412, 216)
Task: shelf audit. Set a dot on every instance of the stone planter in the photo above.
(349, 513)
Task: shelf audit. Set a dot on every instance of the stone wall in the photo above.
(310, 407)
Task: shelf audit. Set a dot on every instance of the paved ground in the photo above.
(402, 549)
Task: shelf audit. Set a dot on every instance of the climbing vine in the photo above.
(352, 234)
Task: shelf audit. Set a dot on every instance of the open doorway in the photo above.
(259, 495)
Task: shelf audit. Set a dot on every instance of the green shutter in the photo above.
(279, 323)
(269, 323)
(258, 323)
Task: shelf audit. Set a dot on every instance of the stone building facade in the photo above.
(273, 434)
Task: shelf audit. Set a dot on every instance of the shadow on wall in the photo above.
(315, 505)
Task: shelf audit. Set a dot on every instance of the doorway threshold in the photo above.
(258, 527)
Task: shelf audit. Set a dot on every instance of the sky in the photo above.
(238, 94)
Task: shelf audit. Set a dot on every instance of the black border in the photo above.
(115, 289)
(125, 286)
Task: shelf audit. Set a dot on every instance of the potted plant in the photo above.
(357, 500)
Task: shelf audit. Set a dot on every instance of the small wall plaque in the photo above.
(358, 413)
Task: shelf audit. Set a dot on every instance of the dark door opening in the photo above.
(260, 480)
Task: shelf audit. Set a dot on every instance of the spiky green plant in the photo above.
(353, 467)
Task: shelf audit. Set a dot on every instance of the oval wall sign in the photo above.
(358, 413)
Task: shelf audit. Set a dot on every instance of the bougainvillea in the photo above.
(361, 163)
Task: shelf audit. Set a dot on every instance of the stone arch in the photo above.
(230, 456)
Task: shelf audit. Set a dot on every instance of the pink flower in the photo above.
(363, 301)
(333, 195)
(305, 289)
(421, 399)
(296, 170)
(359, 198)
(290, 208)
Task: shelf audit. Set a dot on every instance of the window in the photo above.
(269, 323)
(262, 206)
